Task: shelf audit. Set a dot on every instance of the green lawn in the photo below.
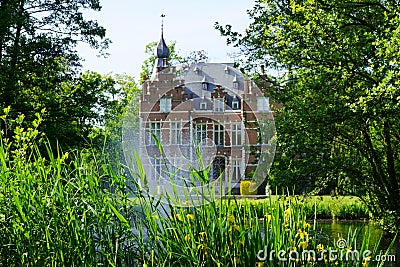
(324, 207)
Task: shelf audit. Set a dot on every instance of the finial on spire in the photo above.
(162, 22)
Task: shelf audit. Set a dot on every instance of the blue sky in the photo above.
(132, 24)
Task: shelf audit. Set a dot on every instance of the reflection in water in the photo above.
(334, 230)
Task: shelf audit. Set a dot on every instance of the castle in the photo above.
(204, 123)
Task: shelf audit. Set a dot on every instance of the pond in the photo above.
(335, 230)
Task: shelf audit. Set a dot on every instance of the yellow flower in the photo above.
(203, 236)
(260, 264)
(365, 261)
(231, 218)
(187, 237)
(287, 211)
(179, 217)
(303, 244)
(269, 217)
(299, 232)
(306, 225)
(309, 258)
(320, 247)
(235, 226)
(190, 216)
(237, 258)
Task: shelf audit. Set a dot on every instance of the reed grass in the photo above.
(76, 209)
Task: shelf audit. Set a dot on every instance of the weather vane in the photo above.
(162, 21)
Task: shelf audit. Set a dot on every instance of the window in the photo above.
(218, 170)
(236, 134)
(235, 85)
(176, 133)
(156, 163)
(165, 104)
(219, 135)
(226, 70)
(218, 105)
(263, 104)
(205, 86)
(263, 129)
(236, 169)
(155, 130)
(201, 132)
(203, 105)
(235, 105)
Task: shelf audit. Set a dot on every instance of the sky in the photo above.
(132, 24)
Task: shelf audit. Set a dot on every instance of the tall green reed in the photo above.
(55, 209)
(77, 209)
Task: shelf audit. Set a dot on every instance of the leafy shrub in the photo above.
(245, 188)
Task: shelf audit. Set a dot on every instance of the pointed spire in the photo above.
(161, 53)
(162, 50)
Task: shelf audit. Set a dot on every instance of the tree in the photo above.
(109, 135)
(38, 60)
(175, 59)
(339, 125)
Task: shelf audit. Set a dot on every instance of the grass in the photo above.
(319, 207)
(231, 233)
(75, 209)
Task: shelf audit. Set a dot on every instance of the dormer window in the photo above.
(235, 83)
(235, 104)
(196, 70)
(165, 104)
(203, 105)
(204, 83)
(226, 70)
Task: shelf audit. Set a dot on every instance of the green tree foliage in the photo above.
(175, 59)
(340, 122)
(39, 63)
(122, 90)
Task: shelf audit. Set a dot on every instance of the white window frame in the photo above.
(263, 104)
(156, 167)
(236, 134)
(203, 105)
(155, 128)
(201, 132)
(219, 135)
(235, 104)
(204, 86)
(165, 104)
(176, 133)
(236, 169)
(219, 105)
